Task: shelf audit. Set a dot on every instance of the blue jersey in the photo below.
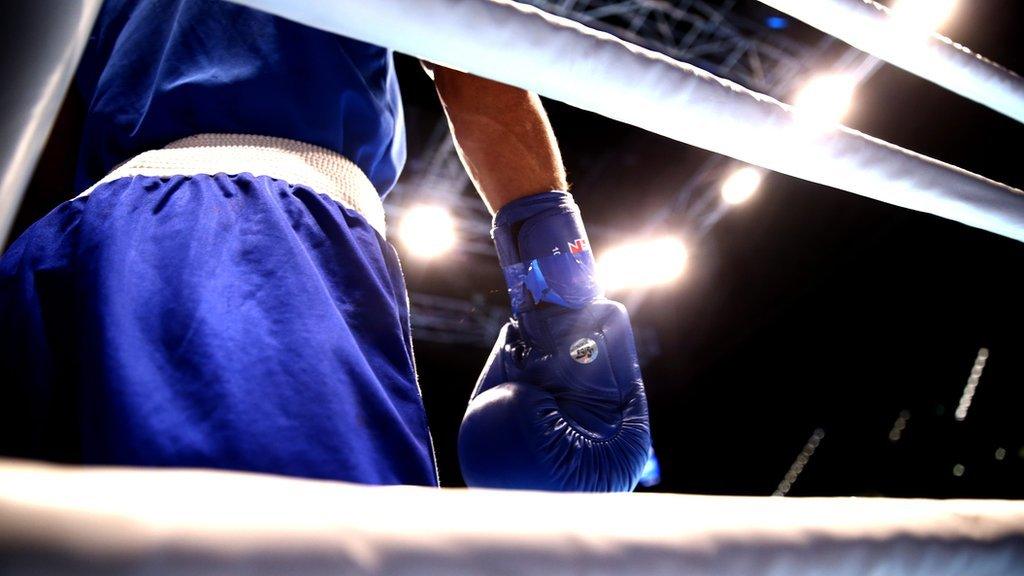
(155, 71)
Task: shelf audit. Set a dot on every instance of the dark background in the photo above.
(805, 308)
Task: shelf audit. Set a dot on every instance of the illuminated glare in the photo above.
(921, 16)
(958, 470)
(643, 263)
(427, 231)
(741, 185)
(825, 100)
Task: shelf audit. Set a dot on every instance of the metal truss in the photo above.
(707, 34)
(702, 32)
(449, 320)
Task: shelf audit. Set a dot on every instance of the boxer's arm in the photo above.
(502, 135)
(560, 404)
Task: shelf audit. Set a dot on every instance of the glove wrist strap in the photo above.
(544, 252)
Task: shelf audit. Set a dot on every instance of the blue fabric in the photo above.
(567, 279)
(544, 252)
(155, 71)
(223, 321)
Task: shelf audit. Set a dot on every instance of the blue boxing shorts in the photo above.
(229, 302)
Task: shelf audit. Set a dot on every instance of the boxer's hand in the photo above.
(560, 404)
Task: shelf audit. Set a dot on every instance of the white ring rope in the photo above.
(867, 26)
(56, 520)
(563, 60)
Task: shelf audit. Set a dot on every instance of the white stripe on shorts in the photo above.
(291, 161)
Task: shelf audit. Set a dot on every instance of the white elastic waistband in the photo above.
(291, 161)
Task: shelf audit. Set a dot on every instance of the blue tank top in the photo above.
(155, 71)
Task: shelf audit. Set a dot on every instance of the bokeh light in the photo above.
(427, 231)
(825, 100)
(642, 263)
(741, 185)
(921, 16)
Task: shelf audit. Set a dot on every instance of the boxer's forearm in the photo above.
(503, 137)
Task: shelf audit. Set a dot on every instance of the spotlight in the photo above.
(921, 16)
(741, 185)
(825, 100)
(427, 231)
(642, 263)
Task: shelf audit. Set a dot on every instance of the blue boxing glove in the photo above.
(560, 404)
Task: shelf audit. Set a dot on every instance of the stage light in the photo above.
(427, 231)
(642, 263)
(825, 100)
(741, 185)
(921, 16)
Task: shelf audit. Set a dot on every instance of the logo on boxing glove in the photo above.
(583, 351)
(578, 246)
